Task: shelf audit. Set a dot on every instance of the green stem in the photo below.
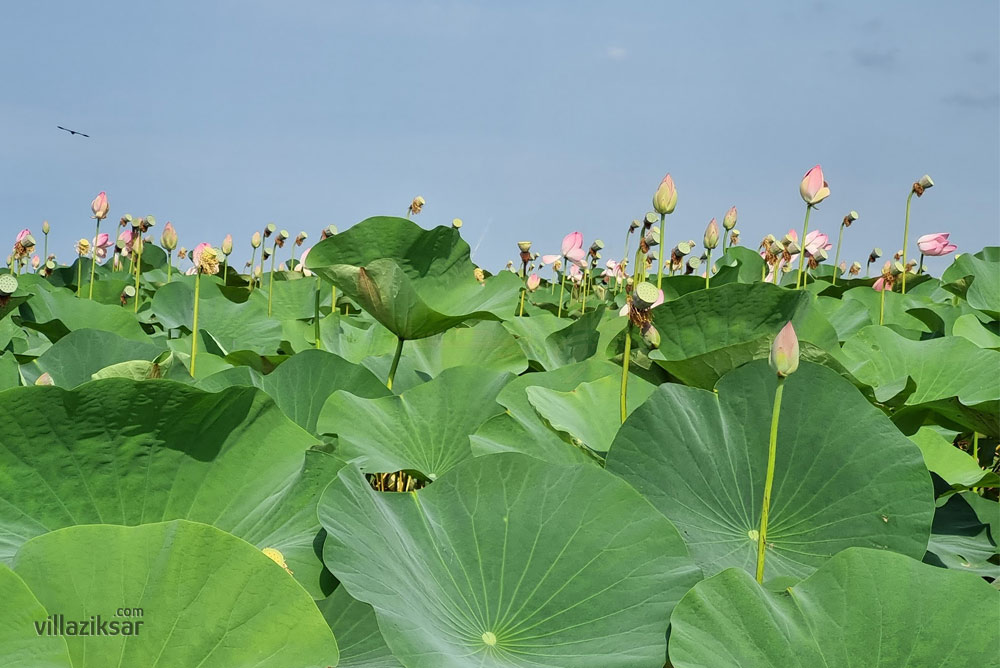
(659, 260)
(45, 252)
(562, 289)
(520, 310)
(138, 272)
(586, 285)
(395, 362)
(170, 263)
(768, 480)
(881, 307)
(920, 267)
(319, 344)
(836, 260)
(906, 236)
(975, 455)
(270, 279)
(194, 327)
(625, 362)
(333, 299)
(225, 269)
(763, 272)
(93, 259)
(708, 268)
(253, 258)
(802, 246)
(79, 276)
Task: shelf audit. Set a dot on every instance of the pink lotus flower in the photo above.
(880, 284)
(35, 261)
(614, 269)
(815, 241)
(572, 249)
(575, 274)
(301, 266)
(21, 235)
(813, 188)
(935, 244)
(533, 282)
(126, 238)
(659, 300)
(100, 206)
(101, 244)
(198, 250)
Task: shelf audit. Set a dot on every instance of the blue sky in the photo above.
(526, 119)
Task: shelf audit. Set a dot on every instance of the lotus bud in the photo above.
(479, 274)
(8, 284)
(650, 335)
(923, 184)
(168, 239)
(302, 236)
(257, 271)
(712, 235)
(227, 245)
(645, 295)
(665, 199)
(842, 267)
(850, 218)
(45, 227)
(100, 206)
(44, 379)
(650, 219)
(269, 229)
(784, 356)
(813, 187)
(652, 236)
(533, 282)
(35, 262)
(729, 220)
(417, 205)
(255, 240)
(524, 246)
(634, 225)
(456, 223)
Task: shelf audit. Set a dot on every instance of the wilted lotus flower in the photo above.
(479, 274)
(813, 188)
(665, 199)
(169, 237)
(227, 245)
(729, 220)
(82, 247)
(255, 240)
(456, 223)
(712, 235)
(935, 244)
(301, 266)
(23, 244)
(417, 205)
(734, 238)
(100, 206)
(206, 259)
(784, 358)
(533, 282)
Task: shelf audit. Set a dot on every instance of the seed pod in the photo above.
(645, 295)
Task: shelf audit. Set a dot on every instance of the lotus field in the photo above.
(360, 449)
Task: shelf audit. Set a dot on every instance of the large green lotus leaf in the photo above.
(738, 265)
(955, 467)
(354, 625)
(168, 368)
(961, 542)
(416, 282)
(522, 429)
(913, 373)
(294, 297)
(237, 376)
(74, 358)
(510, 561)
(206, 597)
(243, 326)
(977, 278)
(970, 327)
(550, 343)
(862, 608)
(846, 316)
(355, 339)
(20, 648)
(707, 333)
(897, 310)
(424, 429)
(126, 452)
(701, 458)
(486, 345)
(10, 375)
(591, 412)
(58, 312)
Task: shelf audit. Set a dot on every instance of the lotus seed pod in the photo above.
(8, 284)
(652, 236)
(650, 219)
(729, 220)
(712, 235)
(255, 240)
(128, 292)
(596, 246)
(734, 237)
(283, 234)
(665, 198)
(874, 255)
(524, 246)
(45, 227)
(456, 223)
(683, 248)
(850, 218)
(694, 262)
(784, 357)
(896, 268)
(820, 255)
(328, 232)
(855, 268)
(776, 248)
(270, 229)
(645, 295)
(265, 254)
(634, 225)
(651, 336)
(300, 238)
(925, 182)
(148, 222)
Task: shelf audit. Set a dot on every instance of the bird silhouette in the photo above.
(72, 132)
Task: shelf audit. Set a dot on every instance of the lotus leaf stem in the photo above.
(768, 480)
(906, 236)
(395, 361)
(93, 260)
(194, 326)
(802, 247)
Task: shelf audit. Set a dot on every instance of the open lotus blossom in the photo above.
(572, 249)
(101, 244)
(533, 282)
(575, 273)
(206, 259)
(614, 269)
(82, 247)
(126, 238)
(813, 188)
(935, 244)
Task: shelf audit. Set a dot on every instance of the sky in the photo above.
(528, 120)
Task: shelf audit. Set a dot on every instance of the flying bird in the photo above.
(72, 132)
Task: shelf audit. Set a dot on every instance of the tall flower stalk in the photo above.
(169, 241)
(395, 362)
(206, 261)
(813, 189)
(784, 360)
(917, 189)
(100, 209)
(279, 242)
(711, 242)
(848, 219)
(664, 202)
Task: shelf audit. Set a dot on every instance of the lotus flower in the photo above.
(665, 199)
(729, 220)
(82, 247)
(614, 269)
(100, 206)
(813, 188)
(533, 282)
(301, 266)
(881, 284)
(126, 239)
(102, 243)
(206, 259)
(168, 239)
(935, 244)
(784, 357)
(712, 235)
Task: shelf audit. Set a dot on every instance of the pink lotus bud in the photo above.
(255, 240)
(35, 261)
(227, 245)
(665, 199)
(784, 357)
(100, 206)
(169, 237)
(729, 220)
(533, 282)
(813, 188)
(712, 235)
(935, 244)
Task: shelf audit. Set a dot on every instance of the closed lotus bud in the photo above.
(645, 295)
(417, 205)
(100, 206)
(45, 227)
(533, 282)
(255, 240)
(227, 245)
(456, 223)
(729, 220)
(665, 199)
(712, 235)
(850, 218)
(784, 356)
(524, 246)
(843, 266)
(8, 284)
(650, 335)
(35, 262)
(650, 219)
(299, 240)
(634, 225)
(813, 187)
(44, 379)
(923, 184)
(168, 239)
